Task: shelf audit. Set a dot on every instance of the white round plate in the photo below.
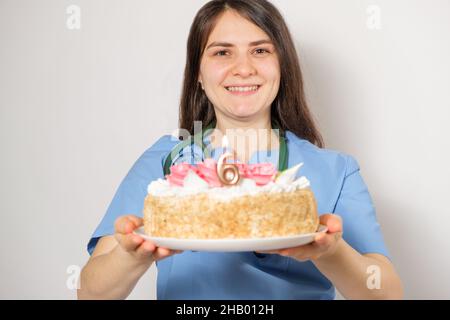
(232, 245)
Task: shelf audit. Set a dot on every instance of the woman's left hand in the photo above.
(325, 244)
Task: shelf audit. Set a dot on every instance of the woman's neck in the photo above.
(224, 124)
(245, 138)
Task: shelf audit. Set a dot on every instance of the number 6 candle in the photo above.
(228, 173)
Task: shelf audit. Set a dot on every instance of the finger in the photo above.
(146, 249)
(129, 242)
(325, 241)
(321, 244)
(268, 251)
(302, 253)
(138, 222)
(123, 225)
(321, 238)
(282, 251)
(332, 221)
(127, 224)
(161, 253)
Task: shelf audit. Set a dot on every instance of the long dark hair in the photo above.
(289, 108)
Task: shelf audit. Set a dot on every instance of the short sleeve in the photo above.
(130, 195)
(361, 228)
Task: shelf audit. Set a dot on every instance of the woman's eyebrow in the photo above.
(227, 44)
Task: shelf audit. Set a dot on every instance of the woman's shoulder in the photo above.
(159, 149)
(163, 144)
(329, 160)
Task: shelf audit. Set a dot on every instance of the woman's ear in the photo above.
(201, 83)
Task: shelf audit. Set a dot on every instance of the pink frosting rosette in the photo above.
(242, 167)
(207, 170)
(261, 173)
(178, 172)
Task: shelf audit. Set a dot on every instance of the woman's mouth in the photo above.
(243, 90)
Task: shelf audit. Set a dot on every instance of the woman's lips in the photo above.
(243, 93)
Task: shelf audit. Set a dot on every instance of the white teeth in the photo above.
(242, 89)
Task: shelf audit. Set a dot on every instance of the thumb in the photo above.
(332, 221)
(126, 224)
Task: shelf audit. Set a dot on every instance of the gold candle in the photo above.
(228, 173)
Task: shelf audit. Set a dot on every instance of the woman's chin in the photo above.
(243, 113)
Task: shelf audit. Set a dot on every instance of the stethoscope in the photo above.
(197, 139)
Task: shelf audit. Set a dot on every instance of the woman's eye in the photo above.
(219, 53)
(262, 50)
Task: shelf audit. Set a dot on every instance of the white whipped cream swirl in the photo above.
(195, 185)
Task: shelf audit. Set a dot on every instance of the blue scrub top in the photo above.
(338, 187)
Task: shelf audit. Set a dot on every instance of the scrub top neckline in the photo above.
(259, 156)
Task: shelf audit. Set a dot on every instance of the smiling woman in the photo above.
(242, 72)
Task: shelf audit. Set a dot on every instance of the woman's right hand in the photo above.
(139, 248)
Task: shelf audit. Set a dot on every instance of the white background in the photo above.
(78, 107)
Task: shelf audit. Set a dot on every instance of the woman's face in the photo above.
(233, 58)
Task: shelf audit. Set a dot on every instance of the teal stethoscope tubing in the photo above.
(198, 140)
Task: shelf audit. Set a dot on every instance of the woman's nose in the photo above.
(243, 67)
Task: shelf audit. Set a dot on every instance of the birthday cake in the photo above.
(212, 200)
